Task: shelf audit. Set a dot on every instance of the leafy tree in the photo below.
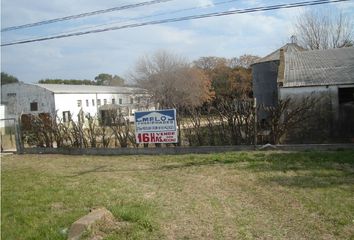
(232, 82)
(7, 78)
(318, 29)
(109, 80)
(211, 63)
(229, 80)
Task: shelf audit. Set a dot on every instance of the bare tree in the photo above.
(193, 125)
(245, 61)
(237, 119)
(288, 114)
(318, 29)
(172, 81)
(210, 63)
(91, 130)
(121, 128)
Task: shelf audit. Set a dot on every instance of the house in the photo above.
(292, 72)
(72, 101)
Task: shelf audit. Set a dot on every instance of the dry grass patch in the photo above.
(240, 195)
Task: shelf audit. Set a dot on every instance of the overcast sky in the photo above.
(115, 52)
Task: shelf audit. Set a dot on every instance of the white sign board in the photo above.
(156, 126)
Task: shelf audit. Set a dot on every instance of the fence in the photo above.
(9, 135)
(227, 123)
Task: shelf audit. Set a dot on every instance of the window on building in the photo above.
(98, 102)
(93, 102)
(87, 102)
(131, 100)
(34, 106)
(104, 101)
(120, 101)
(66, 116)
(79, 103)
(11, 94)
(345, 95)
(113, 101)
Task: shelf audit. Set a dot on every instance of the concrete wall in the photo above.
(69, 102)
(18, 96)
(330, 121)
(2, 116)
(328, 91)
(89, 102)
(2, 111)
(296, 92)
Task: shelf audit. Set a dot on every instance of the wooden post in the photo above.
(18, 137)
(255, 122)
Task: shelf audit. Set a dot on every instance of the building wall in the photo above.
(299, 92)
(332, 118)
(2, 116)
(18, 98)
(329, 91)
(90, 103)
(2, 111)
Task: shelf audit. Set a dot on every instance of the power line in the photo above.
(134, 19)
(81, 15)
(192, 17)
(155, 15)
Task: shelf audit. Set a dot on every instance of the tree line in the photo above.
(102, 79)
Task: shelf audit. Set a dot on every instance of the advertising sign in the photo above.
(157, 126)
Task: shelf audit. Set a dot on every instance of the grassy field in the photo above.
(241, 195)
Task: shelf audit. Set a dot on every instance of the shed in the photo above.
(326, 74)
(265, 74)
(295, 73)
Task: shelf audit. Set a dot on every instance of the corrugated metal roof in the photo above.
(274, 56)
(65, 88)
(319, 67)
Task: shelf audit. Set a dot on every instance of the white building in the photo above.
(2, 116)
(67, 101)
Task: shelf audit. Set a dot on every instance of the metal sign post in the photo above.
(157, 126)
